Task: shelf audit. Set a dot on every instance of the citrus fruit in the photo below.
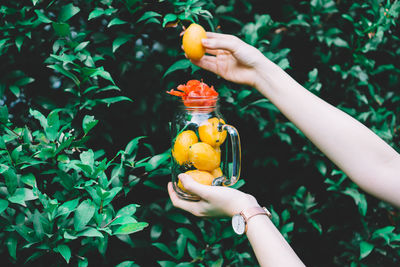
(201, 177)
(216, 172)
(182, 143)
(191, 41)
(204, 157)
(210, 134)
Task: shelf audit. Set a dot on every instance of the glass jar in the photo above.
(200, 146)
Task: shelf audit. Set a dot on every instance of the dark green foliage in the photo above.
(84, 141)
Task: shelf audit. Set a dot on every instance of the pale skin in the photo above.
(356, 150)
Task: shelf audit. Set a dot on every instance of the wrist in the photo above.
(266, 73)
(243, 203)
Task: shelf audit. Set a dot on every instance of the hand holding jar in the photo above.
(199, 140)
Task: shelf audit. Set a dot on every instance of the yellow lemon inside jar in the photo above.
(204, 157)
(201, 177)
(210, 132)
(183, 141)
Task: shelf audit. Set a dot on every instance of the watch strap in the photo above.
(253, 211)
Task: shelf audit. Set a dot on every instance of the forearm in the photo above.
(361, 154)
(270, 247)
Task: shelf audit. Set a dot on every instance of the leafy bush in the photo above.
(84, 130)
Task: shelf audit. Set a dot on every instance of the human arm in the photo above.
(270, 247)
(361, 154)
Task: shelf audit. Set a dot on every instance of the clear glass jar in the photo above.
(200, 146)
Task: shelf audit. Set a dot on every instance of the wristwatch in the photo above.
(239, 221)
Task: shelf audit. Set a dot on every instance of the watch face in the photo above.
(238, 224)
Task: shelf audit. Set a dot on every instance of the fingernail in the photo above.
(204, 41)
(182, 176)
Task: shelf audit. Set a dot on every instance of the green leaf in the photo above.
(365, 249)
(18, 42)
(83, 214)
(3, 205)
(42, 17)
(11, 244)
(102, 73)
(128, 210)
(29, 179)
(120, 40)
(88, 123)
(167, 263)
(164, 249)
(156, 231)
(169, 18)
(179, 65)
(181, 245)
(112, 100)
(157, 160)
(22, 195)
(126, 264)
(53, 124)
(87, 158)
(109, 88)
(81, 46)
(99, 12)
(15, 90)
(65, 251)
(67, 12)
(83, 262)
(340, 42)
(65, 73)
(123, 220)
(10, 177)
(130, 228)
(116, 21)
(24, 81)
(3, 114)
(188, 234)
(37, 224)
(112, 193)
(67, 207)
(148, 15)
(61, 29)
(358, 198)
(91, 232)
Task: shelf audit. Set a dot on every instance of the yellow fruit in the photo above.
(180, 151)
(210, 134)
(217, 173)
(204, 157)
(201, 177)
(191, 41)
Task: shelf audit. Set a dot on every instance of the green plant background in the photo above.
(84, 139)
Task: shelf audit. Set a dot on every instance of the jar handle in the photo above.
(236, 154)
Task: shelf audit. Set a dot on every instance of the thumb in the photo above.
(194, 187)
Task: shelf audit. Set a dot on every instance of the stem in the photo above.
(11, 130)
(111, 221)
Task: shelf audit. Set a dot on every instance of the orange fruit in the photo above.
(210, 134)
(204, 157)
(183, 141)
(191, 41)
(201, 177)
(216, 172)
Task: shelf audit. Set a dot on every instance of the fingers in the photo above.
(189, 206)
(221, 41)
(193, 186)
(208, 63)
(218, 35)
